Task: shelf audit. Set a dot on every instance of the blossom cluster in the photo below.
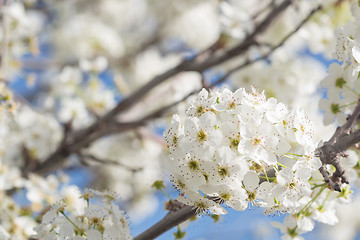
(343, 81)
(19, 219)
(19, 27)
(90, 220)
(240, 148)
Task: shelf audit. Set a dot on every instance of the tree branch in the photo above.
(330, 153)
(119, 127)
(170, 220)
(83, 138)
(194, 65)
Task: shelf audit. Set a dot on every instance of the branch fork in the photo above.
(331, 151)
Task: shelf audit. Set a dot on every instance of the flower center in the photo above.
(193, 165)
(223, 171)
(201, 136)
(234, 142)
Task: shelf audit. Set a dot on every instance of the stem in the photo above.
(308, 205)
(327, 196)
(298, 155)
(318, 185)
(349, 104)
(281, 165)
(266, 176)
(284, 155)
(351, 90)
(165, 193)
(82, 233)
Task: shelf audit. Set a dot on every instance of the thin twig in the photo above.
(263, 57)
(262, 10)
(107, 162)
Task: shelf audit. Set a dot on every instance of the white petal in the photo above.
(218, 210)
(251, 181)
(93, 235)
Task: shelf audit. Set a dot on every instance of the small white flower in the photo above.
(201, 104)
(202, 135)
(289, 229)
(332, 110)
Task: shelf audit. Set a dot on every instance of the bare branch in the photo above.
(118, 127)
(83, 138)
(194, 65)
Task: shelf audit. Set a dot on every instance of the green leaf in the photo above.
(215, 217)
(158, 185)
(179, 234)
